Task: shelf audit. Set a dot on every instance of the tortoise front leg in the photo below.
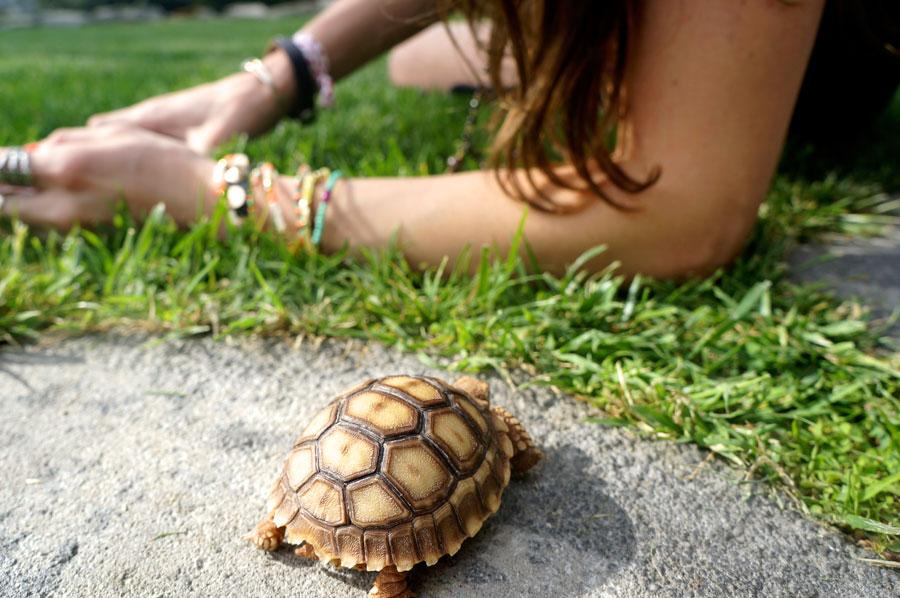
(266, 535)
(525, 453)
(391, 583)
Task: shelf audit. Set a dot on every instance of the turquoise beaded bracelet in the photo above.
(319, 225)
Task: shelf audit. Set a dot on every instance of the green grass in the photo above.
(784, 380)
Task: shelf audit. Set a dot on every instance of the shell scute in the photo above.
(276, 495)
(350, 546)
(300, 466)
(324, 500)
(449, 430)
(285, 512)
(419, 390)
(501, 469)
(427, 539)
(373, 504)
(506, 445)
(450, 533)
(382, 413)
(499, 424)
(346, 453)
(322, 539)
(319, 423)
(417, 472)
(403, 547)
(488, 487)
(378, 554)
(473, 412)
(468, 506)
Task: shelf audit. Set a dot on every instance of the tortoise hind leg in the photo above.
(525, 453)
(391, 583)
(266, 535)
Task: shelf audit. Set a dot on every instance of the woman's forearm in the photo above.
(438, 216)
(353, 32)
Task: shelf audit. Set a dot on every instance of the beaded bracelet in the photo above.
(306, 187)
(230, 182)
(319, 226)
(263, 178)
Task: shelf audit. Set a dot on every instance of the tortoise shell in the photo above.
(397, 471)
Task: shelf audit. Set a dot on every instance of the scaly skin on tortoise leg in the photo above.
(266, 535)
(390, 583)
(525, 454)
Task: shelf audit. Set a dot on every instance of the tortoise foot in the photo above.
(267, 536)
(306, 551)
(390, 583)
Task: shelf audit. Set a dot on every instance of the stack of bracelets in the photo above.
(239, 187)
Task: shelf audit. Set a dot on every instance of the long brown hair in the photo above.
(570, 61)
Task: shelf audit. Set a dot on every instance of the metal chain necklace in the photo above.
(464, 145)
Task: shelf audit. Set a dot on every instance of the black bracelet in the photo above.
(307, 88)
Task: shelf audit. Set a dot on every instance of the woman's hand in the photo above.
(207, 115)
(79, 174)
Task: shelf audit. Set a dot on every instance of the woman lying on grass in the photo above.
(652, 128)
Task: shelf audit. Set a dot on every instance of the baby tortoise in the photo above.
(397, 471)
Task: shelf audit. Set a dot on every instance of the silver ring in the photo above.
(15, 167)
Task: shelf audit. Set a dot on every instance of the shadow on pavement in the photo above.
(556, 533)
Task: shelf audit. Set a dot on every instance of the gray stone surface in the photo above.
(133, 467)
(855, 268)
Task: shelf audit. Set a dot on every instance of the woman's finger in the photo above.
(17, 172)
(57, 208)
(46, 164)
(40, 169)
(57, 160)
(15, 166)
(65, 158)
(149, 115)
(8, 190)
(104, 118)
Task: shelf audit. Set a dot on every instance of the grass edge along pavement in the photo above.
(784, 380)
(777, 378)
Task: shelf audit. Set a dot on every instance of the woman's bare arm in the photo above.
(352, 32)
(711, 87)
